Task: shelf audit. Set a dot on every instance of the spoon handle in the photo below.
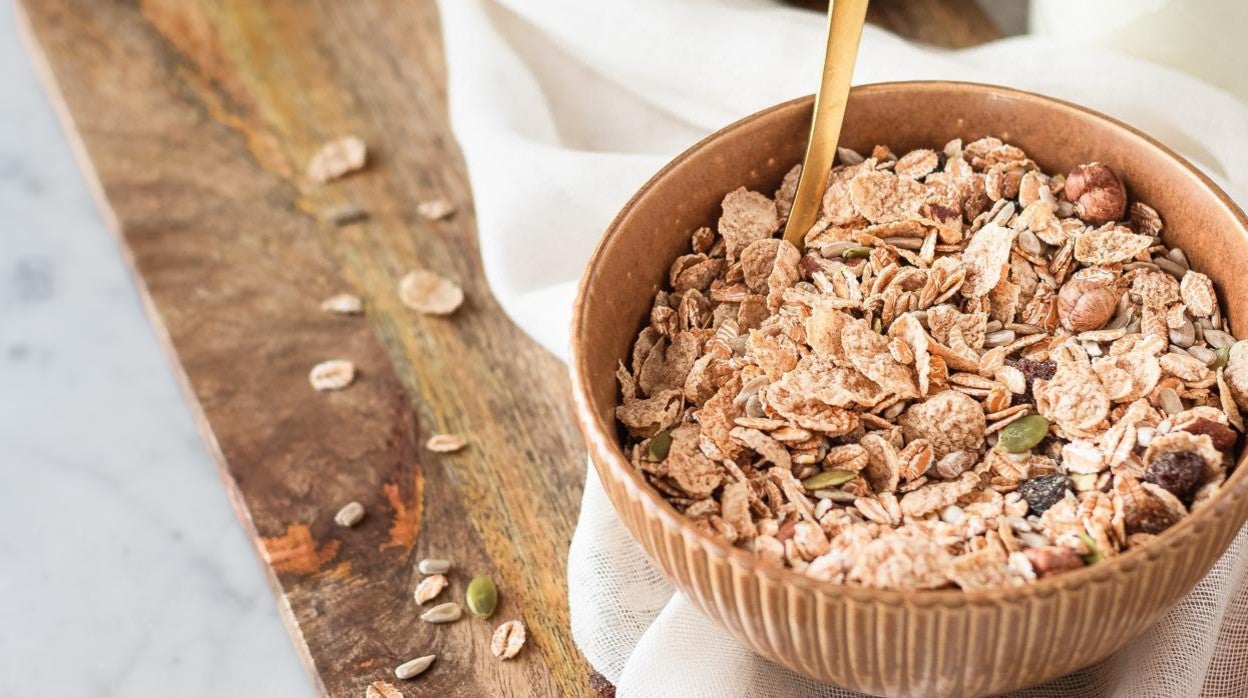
(845, 20)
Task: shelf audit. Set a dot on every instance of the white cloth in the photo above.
(564, 108)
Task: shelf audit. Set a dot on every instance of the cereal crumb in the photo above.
(337, 158)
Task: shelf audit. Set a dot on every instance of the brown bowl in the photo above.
(944, 642)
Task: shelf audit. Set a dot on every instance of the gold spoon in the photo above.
(845, 20)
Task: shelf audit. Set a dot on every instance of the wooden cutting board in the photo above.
(193, 120)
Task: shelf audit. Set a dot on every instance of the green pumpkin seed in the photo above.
(660, 444)
(1094, 555)
(828, 478)
(856, 253)
(1023, 435)
(1223, 354)
(878, 326)
(482, 596)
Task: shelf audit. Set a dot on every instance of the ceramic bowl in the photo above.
(944, 642)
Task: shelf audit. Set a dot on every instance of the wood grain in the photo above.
(193, 120)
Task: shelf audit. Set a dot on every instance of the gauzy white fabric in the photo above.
(564, 108)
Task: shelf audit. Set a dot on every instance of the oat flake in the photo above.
(428, 293)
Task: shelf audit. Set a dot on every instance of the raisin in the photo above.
(1032, 371)
(1043, 492)
(1179, 472)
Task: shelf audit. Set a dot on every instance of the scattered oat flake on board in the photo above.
(429, 293)
(343, 304)
(435, 209)
(381, 689)
(336, 158)
(429, 588)
(334, 374)
(445, 443)
(508, 639)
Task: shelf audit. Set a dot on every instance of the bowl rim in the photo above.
(603, 443)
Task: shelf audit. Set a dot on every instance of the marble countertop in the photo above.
(123, 571)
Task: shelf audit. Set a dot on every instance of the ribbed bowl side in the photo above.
(954, 647)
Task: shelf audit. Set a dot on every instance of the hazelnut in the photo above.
(1097, 193)
(1086, 304)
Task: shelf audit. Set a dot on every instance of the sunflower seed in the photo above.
(1205, 354)
(448, 612)
(1218, 338)
(834, 249)
(445, 443)
(1169, 267)
(1184, 335)
(429, 587)
(349, 515)
(344, 214)
(508, 639)
(1178, 257)
(1169, 401)
(414, 668)
(434, 566)
(343, 304)
(999, 338)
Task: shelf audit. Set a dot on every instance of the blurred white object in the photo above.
(1202, 37)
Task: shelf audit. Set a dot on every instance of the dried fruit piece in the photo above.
(508, 639)
(429, 588)
(1024, 434)
(481, 596)
(1179, 472)
(1043, 492)
(1142, 511)
(1050, 560)
(428, 293)
(334, 374)
(336, 158)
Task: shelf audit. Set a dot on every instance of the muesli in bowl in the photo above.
(976, 374)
